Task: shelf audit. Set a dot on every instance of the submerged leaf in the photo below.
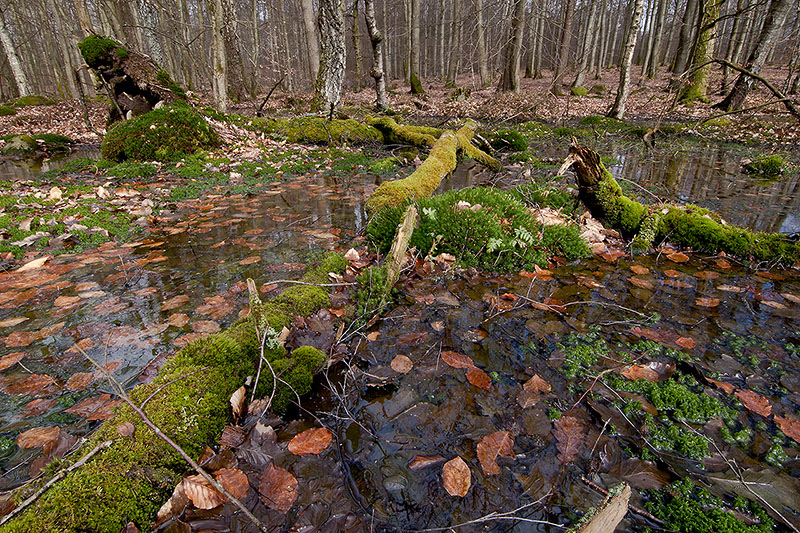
(424, 461)
(457, 360)
(754, 402)
(38, 437)
(310, 442)
(490, 447)
(278, 488)
(402, 364)
(479, 378)
(456, 477)
(569, 432)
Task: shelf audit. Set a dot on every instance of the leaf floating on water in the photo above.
(678, 257)
(791, 297)
(456, 477)
(721, 385)
(66, 301)
(178, 320)
(97, 408)
(532, 391)
(656, 335)
(723, 264)
(703, 301)
(206, 327)
(490, 447)
(754, 402)
(672, 273)
(420, 462)
(641, 283)
(33, 265)
(457, 360)
(686, 342)
(201, 493)
(11, 322)
(706, 274)
(11, 359)
(277, 488)
(731, 288)
(79, 381)
(234, 481)
(310, 442)
(640, 270)
(21, 339)
(250, 260)
(569, 432)
(652, 371)
(175, 302)
(38, 437)
(479, 378)
(402, 364)
(237, 402)
(790, 427)
(83, 344)
(30, 385)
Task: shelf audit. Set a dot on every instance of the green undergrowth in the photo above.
(189, 402)
(318, 130)
(501, 234)
(689, 508)
(40, 142)
(7, 110)
(164, 78)
(508, 140)
(767, 167)
(97, 50)
(33, 100)
(165, 134)
(539, 195)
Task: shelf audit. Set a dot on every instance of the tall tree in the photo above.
(414, 65)
(563, 47)
(219, 76)
(697, 84)
(356, 35)
(312, 41)
(148, 17)
(766, 42)
(328, 88)
(376, 38)
(21, 79)
(454, 52)
(588, 43)
(509, 80)
(483, 59)
(618, 109)
(685, 43)
(655, 52)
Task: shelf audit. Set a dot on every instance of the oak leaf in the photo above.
(310, 442)
(456, 477)
(490, 447)
(569, 432)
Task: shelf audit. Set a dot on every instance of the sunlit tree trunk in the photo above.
(328, 88)
(618, 109)
(21, 79)
(219, 77)
(563, 47)
(312, 41)
(376, 38)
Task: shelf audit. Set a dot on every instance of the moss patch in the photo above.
(97, 50)
(579, 91)
(33, 99)
(165, 134)
(768, 166)
(510, 140)
(6, 110)
(317, 130)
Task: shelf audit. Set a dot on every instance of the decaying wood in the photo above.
(397, 253)
(610, 513)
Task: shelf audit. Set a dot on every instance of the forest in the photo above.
(400, 266)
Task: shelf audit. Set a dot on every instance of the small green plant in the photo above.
(768, 166)
(579, 91)
(510, 140)
(6, 110)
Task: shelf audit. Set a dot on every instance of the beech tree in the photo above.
(509, 81)
(618, 109)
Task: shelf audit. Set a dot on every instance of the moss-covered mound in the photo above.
(481, 227)
(318, 130)
(98, 51)
(33, 99)
(768, 166)
(128, 481)
(7, 110)
(29, 144)
(165, 134)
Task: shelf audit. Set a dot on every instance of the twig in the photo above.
(633, 508)
(120, 391)
(261, 107)
(61, 475)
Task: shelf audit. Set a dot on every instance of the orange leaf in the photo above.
(401, 364)
(278, 488)
(234, 481)
(497, 443)
(201, 493)
(640, 270)
(479, 378)
(126, 429)
(97, 408)
(641, 283)
(456, 477)
(569, 432)
(532, 392)
(703, 301)
(754, 402)
(457, 360)
(175, 302)
(11, 359)
(178, 320)
(726, 387)
(672, 273)
(706, 274)
(789, 426)
(250, 260)
(310, 442)
(678, 257)
(373, 335)
(686, 342)
(206, 326)
(651, 372)
(38, 437)
(79, 381)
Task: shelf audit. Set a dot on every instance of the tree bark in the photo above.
(509, 81)
(563, 48)
(356, 36)
(588, 44)
(328, 89)
(312, 42)
(697, 84)
(483, 59)
(148, 17)
(655, 53)
(454, 52)
(21, 79)
(219, 76)
(685, 40)
(766, 42)
(376, 38)
(618, 109)
(735, 43)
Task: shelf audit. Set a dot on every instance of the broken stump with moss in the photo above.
(135, 83)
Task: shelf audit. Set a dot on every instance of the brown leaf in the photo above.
(420, 462)
(402, 364)
(232, 436)
(201, 493)
(10, 359)
(126, 429)
(373, 335)
(79, 381)
(173, 507)
(569, 432)
(657, 335)
(532, 391)
(97, 408)
(250, 260)
(310, 442)
(652, 371)
(686, 342)
(678, 257)
(456, 477)
(791, 297)
(497, 443)
(206, 326)
(706, 274)
(66, 301)
(237, 401)
(641, 283)
(277, 488)
(38, 437)
(457, 360)
(83, 344)
(754, 402)
(11, 322)
(21, 339)
(703, 301)
(175, 302)
(30, 384)
(178, 320)
(670, 273)
(234, 481)
(479, 378)
(790, 427)
(727, 387)
(677, 284)
(640, 270)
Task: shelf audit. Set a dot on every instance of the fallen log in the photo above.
(687, 225)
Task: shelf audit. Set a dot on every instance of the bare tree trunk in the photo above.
(618, 109)
(563, 48)
(82, 14)
(655, 53)
(21, 79)
(483, 59)
(376, 72)
(588, 44)
(219, 77)
(537, 59)
(454, 51)
(766, 42)
(148, 17)
(414, 64)
(697, 84)
(356, 35)
(685, 41)
(328, 89)
(312, 42)
(509, 80)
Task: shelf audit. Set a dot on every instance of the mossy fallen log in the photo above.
(128, 481)
(441, 161)
(687, 225)
(394, 133)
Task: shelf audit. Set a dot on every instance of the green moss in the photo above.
(19, 145)
(510, 140)
(97, 50)
(598, 89)
(416, 85)
(165, 134)
(581, 352)
(669, 437)
(164, 78)
(33, 99)
(370, 290)
(132, 169)
(579, 91)
(385, 165)
(316, 130)
(394, 133)
(536, 195)
(776, 455)
(303, 300)
(309, 357)
(565, 241)
(6, 110)
(768, 166)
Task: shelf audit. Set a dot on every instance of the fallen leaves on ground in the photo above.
(569, 432)
(653, 371)
(532, 391)
(310, 442)
(686, 342)
(457, 360)
(96, 408)
(10, 359)
(490, 447)
(38, 437)
(479, 378)
(79, 381)
(278, 488)
(233, 480)
(641, 283)
(678, 257)
(402, 364)
(178, 320)
(420, 462)
(790, 427)
(174, 302)
(201, 493)
(237, 401)
(754, 402)
(456, 477)
(126, 429)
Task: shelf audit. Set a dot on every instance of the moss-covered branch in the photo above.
(394, 133)
(687, 225)
(128, 481)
